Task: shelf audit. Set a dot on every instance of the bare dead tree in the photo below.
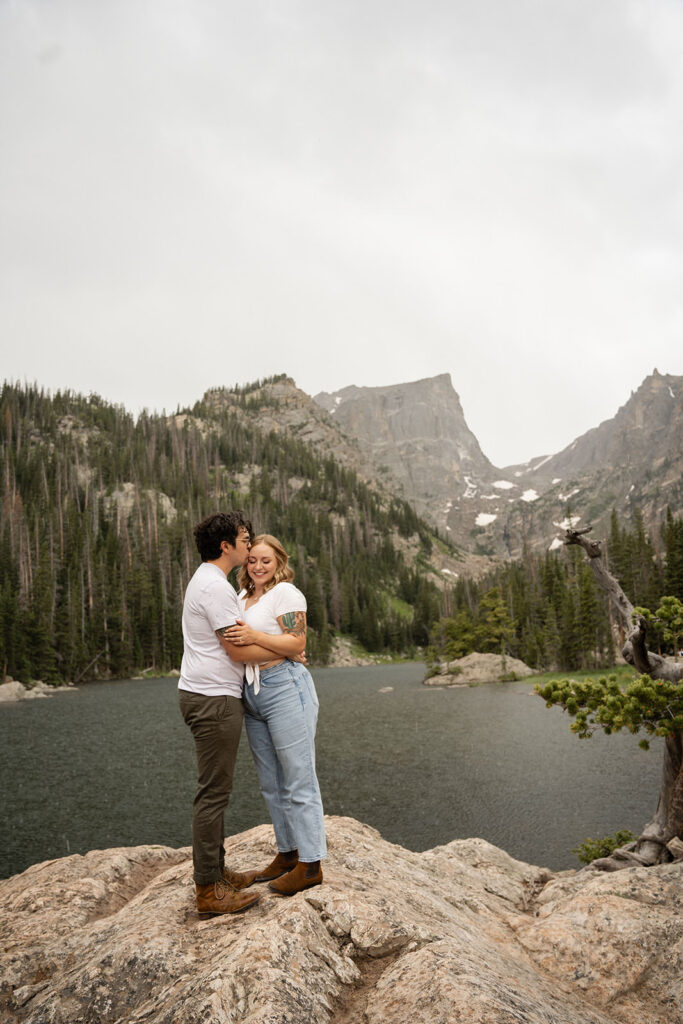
(660, 839)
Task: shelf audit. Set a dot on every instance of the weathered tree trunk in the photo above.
(651, 847)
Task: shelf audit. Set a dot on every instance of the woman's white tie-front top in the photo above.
(263, 616)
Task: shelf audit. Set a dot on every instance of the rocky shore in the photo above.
(11, 690)
(343, 655)
(459, 933)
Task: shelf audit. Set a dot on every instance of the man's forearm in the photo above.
(251, 654)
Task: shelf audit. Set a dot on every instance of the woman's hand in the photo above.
(241, 634)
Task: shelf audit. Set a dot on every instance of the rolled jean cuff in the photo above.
(208, 879)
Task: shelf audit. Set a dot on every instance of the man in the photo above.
(210, 694)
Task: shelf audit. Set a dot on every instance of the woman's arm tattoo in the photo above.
(293, 623)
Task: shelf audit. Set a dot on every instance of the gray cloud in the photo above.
(195, 193)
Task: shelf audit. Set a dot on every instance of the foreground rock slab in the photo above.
(459, 933)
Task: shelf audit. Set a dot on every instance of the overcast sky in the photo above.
(204, 192)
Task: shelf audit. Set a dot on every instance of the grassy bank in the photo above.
(624, 675)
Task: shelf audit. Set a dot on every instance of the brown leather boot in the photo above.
(283, 863)
(220, 898)
(303, 876)
(239, 879)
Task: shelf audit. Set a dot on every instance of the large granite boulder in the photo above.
(478, 668)
(459, 933)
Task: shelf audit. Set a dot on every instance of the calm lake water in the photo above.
(113, 765)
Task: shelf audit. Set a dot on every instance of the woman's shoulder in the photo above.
(287, 592)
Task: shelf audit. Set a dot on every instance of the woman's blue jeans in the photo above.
(280, 721)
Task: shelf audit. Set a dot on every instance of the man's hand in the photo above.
(240, 634)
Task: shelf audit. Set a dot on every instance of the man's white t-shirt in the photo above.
(210, 604)
(263, 616)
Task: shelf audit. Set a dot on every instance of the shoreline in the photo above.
(12, 691)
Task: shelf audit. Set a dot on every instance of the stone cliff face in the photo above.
(459, 933)
(634, 460)
(642, 434)
(413, 440)
(418, 431)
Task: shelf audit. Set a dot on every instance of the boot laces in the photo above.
(222, 889)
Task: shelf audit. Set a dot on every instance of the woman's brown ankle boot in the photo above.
(283, 863)
(303, 876)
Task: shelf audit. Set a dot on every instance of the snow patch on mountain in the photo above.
(485, 519)
(568, 523)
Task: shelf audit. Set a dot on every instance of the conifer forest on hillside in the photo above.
(97, 547)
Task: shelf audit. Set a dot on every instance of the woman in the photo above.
(281, 713)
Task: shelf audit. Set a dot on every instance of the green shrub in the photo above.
(591, 849)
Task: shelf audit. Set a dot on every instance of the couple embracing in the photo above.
(260, 634)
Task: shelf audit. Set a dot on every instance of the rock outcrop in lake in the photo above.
(478, 668)
(459, 933)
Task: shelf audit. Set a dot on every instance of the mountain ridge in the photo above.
(632, 459)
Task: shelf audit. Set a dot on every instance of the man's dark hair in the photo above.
(218, 527)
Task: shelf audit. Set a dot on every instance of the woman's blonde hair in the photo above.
(283, 572)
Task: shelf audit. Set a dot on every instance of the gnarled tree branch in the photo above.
(635, 650)
(667, 822)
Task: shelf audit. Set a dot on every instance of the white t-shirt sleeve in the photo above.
(221, 605)
(287, 598)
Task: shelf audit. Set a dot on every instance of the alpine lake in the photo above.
(113, 765)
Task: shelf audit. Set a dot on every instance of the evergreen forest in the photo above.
(547, 609)
(96, 546)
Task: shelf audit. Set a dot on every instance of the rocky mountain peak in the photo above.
(632, 460)
(412, 439)
(416, 430)
(644, 429)
(278, 405)
(419, 432)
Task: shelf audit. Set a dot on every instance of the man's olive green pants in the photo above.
(216, 726)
